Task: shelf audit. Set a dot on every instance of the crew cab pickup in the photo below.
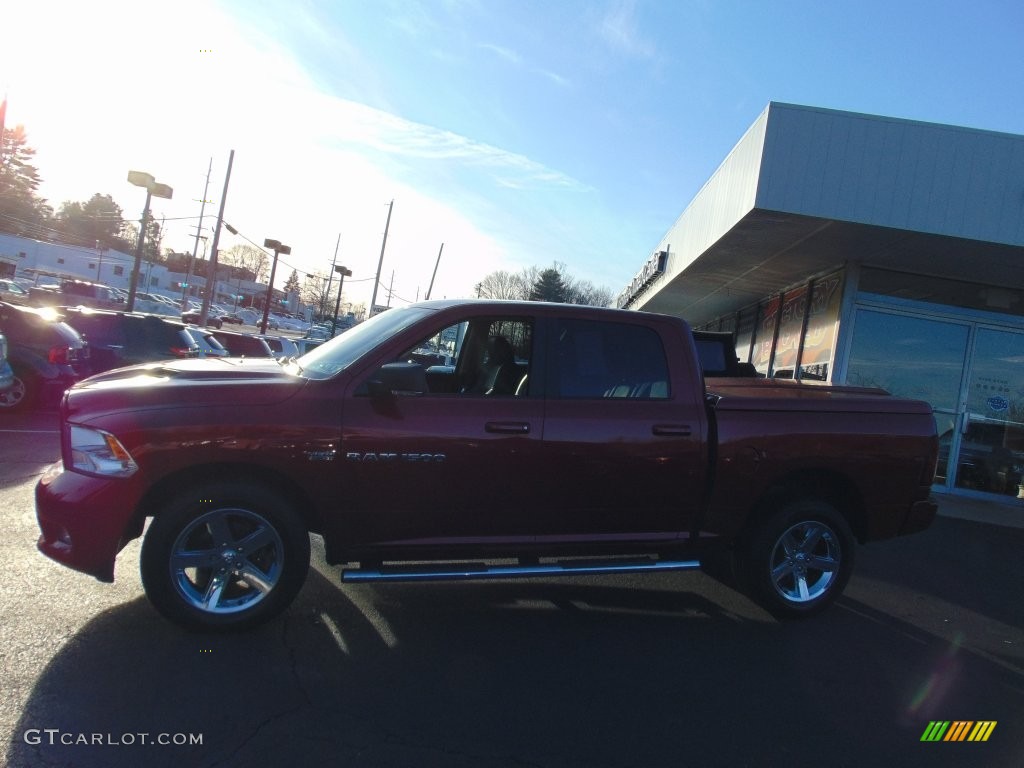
(538, 440)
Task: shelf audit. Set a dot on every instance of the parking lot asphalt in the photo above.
(1008, 513)
(587, 672)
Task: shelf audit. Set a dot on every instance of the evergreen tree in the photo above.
(22, 211)
(549, 286)
(97, 221)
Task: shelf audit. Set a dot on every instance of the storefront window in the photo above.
(937, 290)
(822, 318)
(745, 322)
(908, 356)
(768, 314)
(992, 446)
(794, 307)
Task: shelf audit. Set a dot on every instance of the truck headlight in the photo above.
(96, 452)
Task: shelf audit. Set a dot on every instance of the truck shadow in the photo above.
(590, 672)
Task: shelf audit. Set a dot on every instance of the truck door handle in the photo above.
(507, 427)
(672, 430)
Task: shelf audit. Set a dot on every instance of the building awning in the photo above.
(808, 190)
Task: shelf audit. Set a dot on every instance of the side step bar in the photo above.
(472, 571)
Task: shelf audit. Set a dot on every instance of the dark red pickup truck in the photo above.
(526, 438)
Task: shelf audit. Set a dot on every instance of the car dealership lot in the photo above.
(592, 671)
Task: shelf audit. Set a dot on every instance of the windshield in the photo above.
(340, 352)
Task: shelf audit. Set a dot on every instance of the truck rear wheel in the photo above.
(224, 556)
(797, 562)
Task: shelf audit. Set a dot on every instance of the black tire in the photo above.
(22, 394)
(225, 556)
(797, 561)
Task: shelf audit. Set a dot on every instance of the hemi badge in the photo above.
(321, 455)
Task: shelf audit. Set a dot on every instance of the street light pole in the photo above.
(334, 263)
(337, 303)
(153, 189)
(99, 269)
(278, 248)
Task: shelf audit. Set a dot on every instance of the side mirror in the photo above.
(398, 380)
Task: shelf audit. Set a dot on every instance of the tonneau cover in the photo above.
(780, 395)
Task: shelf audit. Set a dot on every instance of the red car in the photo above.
(560, 439)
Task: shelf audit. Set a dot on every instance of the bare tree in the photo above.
(253, 260)
(315, 293)
(501, 285)
(552, 283)
(585, 292)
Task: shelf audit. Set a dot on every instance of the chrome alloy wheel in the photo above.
(805, 561)
(226, 560)
(16, 395)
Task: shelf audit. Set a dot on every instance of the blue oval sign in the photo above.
(997, 403)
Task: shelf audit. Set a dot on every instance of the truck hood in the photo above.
(207, 382)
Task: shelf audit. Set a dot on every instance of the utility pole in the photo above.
(212, 268)
(195, 248)
(380, 262)
(391, 287)
(435, 272)
(327, 295)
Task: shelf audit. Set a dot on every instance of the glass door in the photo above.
(991, 444)
(917, 357)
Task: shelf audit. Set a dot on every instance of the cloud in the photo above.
(504, 53)
(619, 29)
(513, 58)
(360, 125)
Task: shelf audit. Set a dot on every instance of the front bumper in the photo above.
(85, 521)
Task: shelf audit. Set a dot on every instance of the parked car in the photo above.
(195, 316)
(248, 316)
(318, 333)
(12, 292)
(282, 346)
(46, 355)
(76, 292)
(207, 341)
(6, 374)
(153, 304)
(117, 339)
(244, 345)
(563, 440)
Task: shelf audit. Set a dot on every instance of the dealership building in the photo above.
(871, 251)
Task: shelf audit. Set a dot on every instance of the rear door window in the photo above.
(599, 359)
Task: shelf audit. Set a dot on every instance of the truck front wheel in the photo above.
(224, 556)
(797, 561)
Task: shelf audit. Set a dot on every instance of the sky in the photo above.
(516, 133)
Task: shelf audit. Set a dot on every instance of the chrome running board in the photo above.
(472, 571)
